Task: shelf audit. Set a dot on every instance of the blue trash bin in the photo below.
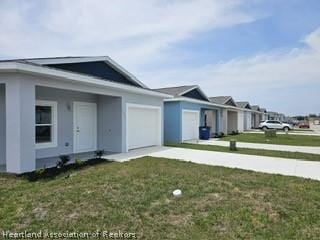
(204, 133)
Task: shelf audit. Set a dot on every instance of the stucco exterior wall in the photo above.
(232, 121)
(2, 125)
(240, 121)
(23, 91)
(173, 118)
(64, 101)
(247, 121)
(172, 122)
(110, 123)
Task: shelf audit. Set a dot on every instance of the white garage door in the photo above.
(190, 124)
(143, 126)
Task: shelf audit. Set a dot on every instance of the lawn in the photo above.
(282, 139)
(259, 152)
(135, 196)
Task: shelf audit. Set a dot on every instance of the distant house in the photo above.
(189, 109)
(247, 114)
(232, 115)
(264, 115)
(256, 116)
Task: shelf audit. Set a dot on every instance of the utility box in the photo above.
(233, 145)
(270, 133)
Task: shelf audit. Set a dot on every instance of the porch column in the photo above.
(224, 125)
(20, 126)
(218, 121)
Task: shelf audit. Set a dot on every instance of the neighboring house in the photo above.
(247, 114)
(264, 114)
(187, 111)
(276, 116)
(74, 106)
(232, 115)
(256, 116)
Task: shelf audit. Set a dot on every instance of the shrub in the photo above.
(78, 161)
(64, 159)
(99, 154)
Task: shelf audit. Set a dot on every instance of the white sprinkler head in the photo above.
(177, 193)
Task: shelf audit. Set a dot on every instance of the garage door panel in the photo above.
(190, 125)
(144, 127)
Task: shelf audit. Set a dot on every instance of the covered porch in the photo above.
(211, 119)
(40, 123)
(232, 121)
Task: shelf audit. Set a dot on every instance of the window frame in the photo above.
(54, 124)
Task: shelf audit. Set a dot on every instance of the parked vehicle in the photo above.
(303, 125)
(273, 124)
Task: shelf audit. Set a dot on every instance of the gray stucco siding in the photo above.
(110, 123)
(64, 101)
(2, 125)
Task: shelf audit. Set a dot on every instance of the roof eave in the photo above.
(105, 59)
(75, 77)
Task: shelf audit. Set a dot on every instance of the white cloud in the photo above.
(132, 32)
(265, 77)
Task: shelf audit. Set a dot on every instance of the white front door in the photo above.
(85, 127)
(190, 124)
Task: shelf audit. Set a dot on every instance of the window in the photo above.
(46, 124)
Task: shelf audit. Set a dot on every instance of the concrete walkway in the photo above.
(286, 148)
(283, 166)
(304, 133)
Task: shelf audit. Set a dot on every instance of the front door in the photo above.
(85, 127)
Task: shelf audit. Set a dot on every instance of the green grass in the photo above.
(217, 203)
(282, 139)
(259, 152)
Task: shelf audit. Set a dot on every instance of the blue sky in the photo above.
(265, 52)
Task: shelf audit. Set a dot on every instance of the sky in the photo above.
(266, 52)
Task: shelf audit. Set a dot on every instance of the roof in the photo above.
(263, 110)
(176, 91)
(69, 60)
(220, 99)
(226, 100)
(243, 105)
(255, 107)
(23, 66)
(179, 91)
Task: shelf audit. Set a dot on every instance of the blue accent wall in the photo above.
(98, 69)
(172, 122)
(173, 118)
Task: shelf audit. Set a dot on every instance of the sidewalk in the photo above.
(286, 148)
(283, 166)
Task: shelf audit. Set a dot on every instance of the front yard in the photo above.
(217, 203)
(282, 139)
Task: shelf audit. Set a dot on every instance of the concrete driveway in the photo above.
(285, 148)
(283, 166)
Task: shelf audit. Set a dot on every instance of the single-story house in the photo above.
(247, 114)
(256, 116)
(264, 115)
(73, 106)
(187, 111)
(273, 116)
(232, 115)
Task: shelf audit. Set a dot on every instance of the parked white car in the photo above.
(273, 124)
